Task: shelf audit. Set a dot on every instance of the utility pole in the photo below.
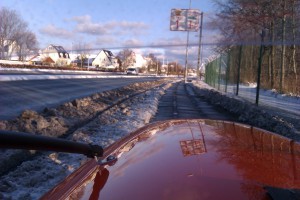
(72, 48)
(157, 68)
(199, 49)
(186, 51)
(167, 67)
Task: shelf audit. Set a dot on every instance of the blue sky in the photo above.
(108, 24)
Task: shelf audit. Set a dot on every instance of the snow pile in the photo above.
(103, 127)
(34, 177)
(290, 96)
(248, 113)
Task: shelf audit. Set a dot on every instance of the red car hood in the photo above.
(189, 159)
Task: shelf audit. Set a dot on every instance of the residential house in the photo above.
(105, 59)
(140, 61)
(86, 62)
(8, 50)
(36, 60)
(135, 60)
(57, 53)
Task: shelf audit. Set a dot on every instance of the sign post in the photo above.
(185, 20)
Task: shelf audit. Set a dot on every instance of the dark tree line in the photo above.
(274, 25)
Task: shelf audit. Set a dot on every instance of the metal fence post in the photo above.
(239, 70)
(259, 66)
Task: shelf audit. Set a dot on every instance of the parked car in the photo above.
(132, 71)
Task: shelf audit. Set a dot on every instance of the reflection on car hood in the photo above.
(191, 159)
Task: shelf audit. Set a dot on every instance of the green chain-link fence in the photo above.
(236, 71)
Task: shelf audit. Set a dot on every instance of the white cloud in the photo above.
(132, 43)
(106, 40)
(81, 19)
(169, 42)
(177, 51)
(91, 28)
(53, 31)
(126, 25)
(171, 49)
(175, 48)
(85, 25)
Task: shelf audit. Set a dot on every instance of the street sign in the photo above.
(185, 20)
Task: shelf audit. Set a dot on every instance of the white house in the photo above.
(105, 59)
(8, 50)
(135, 60)
(140, 61)
(56, 53)
(36, 59)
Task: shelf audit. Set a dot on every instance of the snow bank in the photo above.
(34, 177)
(251, 114)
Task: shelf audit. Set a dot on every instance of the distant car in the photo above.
(132, 70)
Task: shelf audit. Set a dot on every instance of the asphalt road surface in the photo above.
(16, 96)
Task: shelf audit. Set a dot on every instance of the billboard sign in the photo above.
(185, 20)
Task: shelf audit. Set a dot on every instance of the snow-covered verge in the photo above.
(290, 96)
(34, 177)
(266, 118)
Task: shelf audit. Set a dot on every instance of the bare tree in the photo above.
(82, 52)
(26, 43)
(14, 35)
(295, 8)
(240, 22)
(127, 57)
(153, 62)
(283, 38)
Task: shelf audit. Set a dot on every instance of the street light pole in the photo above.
(186, 57)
